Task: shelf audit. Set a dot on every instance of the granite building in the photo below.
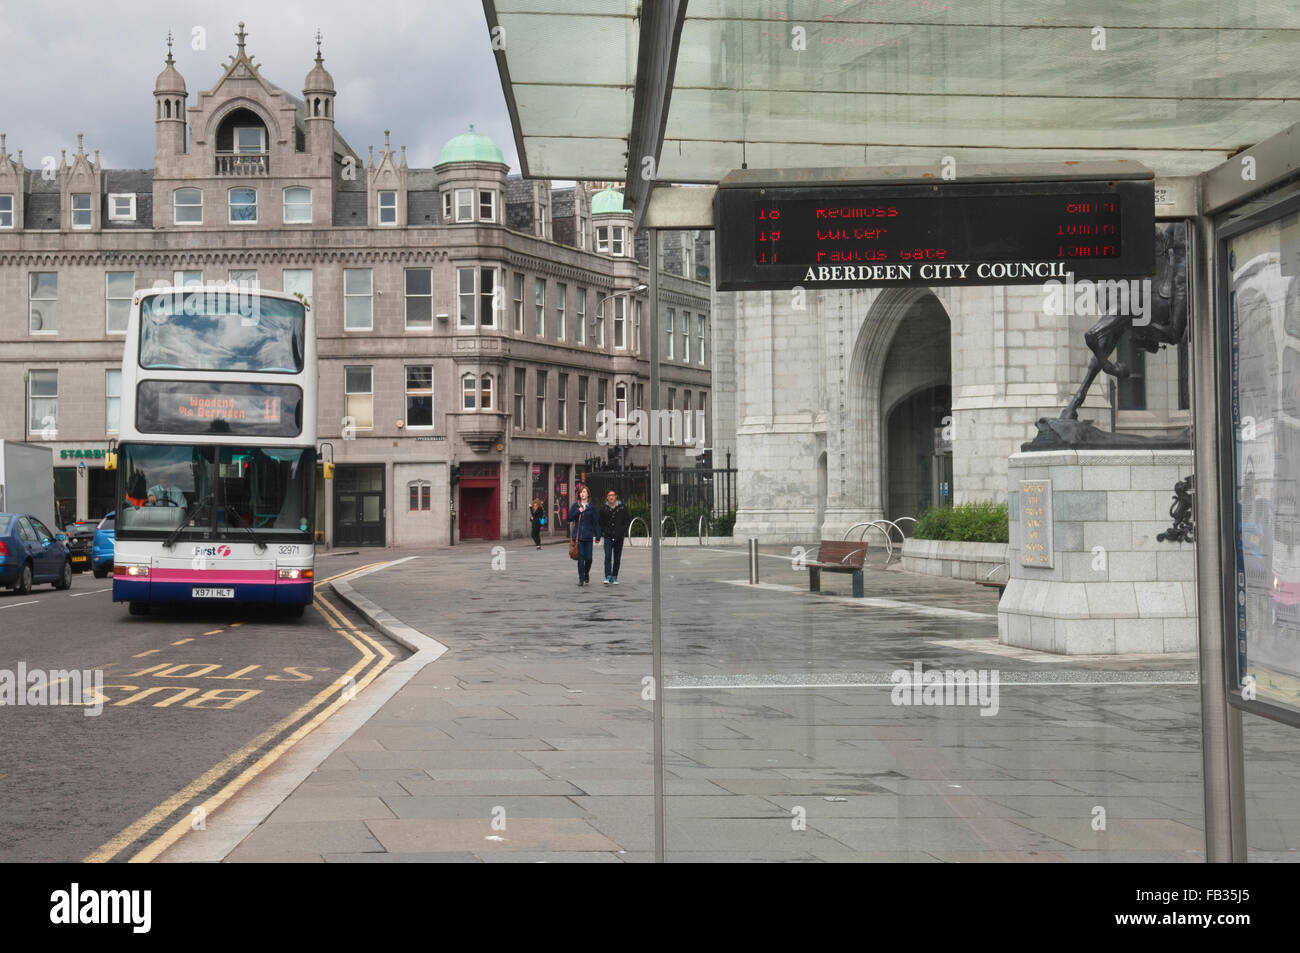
(468, 322)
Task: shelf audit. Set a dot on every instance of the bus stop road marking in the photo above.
(213, 632)
(91, 592)
(182, 641)
(15, 605)
(340, 691)
(149, 652)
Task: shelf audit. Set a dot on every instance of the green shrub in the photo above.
(983, 522)
(686, 518)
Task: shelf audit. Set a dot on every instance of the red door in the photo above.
(480, 501)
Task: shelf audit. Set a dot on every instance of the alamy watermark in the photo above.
(976, 688)
(656, 428)
(38, 687)
(1129, 297)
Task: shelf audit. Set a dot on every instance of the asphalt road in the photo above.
(192, 699)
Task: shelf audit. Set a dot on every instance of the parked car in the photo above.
(31, 554)
(79, 533)
(101, 549)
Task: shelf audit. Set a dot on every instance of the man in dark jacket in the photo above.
(614, 521)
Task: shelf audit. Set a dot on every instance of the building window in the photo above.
(121, 207)
(668, 334)
(616, 241)
(602, 238)
(487, 297)
(250, 139)
(297, 205)
(419, 495)
(672, 405)
(562, 404)
(245, 280)
(187, 207)
(686, 336)
(699, 338)
(419, 397)
(6, 211)
(602, 391)
(561, 292)
(541, 219)
(487, 206)
(541, 400)
(601, 298)
(187, 279)
(43, 302)
(620, 306)
(243, 206)
(686, 417)
(521, 382)
(636, 324)
(43, 403)
(359, 397)
(519, 302)
(464, 205)
(580, 311)
(469, 392)
(446, 207)
(112, 400)
(582, 405)
(297, 281)
(582, 232)
(620, 401)
(419, 299)
(465, 296)
(639, 393)
(539, 305)
(703, 434)
(358, 299)
(81, 216)
(119, 286)
(485, 392)
(387, 208)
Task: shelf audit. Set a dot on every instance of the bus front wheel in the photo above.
(138, 608)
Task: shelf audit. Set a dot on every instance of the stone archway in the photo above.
(903, 347)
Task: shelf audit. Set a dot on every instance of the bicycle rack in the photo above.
(632, 525)
(889, 542)
(664, 535)
(700, 529)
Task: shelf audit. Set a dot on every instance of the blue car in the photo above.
(31, 554)
(101, 549)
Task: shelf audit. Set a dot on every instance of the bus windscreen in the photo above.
(206, 329)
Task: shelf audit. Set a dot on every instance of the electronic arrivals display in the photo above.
(940, 234)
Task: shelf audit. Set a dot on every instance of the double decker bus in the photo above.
(216, 455)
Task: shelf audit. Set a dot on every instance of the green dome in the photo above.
(471, 147)
(608, 202)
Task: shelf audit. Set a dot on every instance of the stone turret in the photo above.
(169, 109)
(318, 93)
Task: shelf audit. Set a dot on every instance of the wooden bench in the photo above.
(837, 555)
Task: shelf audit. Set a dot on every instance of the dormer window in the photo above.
(464, 205)
(6, 211)
(602, 238)
(81, 210)
(616, 241)
(487, 206)
(249, 140)
(387, 208)
(121, 207)
(446, 206)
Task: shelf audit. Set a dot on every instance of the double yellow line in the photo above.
(342, 691)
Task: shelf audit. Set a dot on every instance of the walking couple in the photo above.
(610, 523)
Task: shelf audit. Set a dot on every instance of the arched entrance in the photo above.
(900, 390)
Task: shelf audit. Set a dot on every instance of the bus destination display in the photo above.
(871, 236)
(196, 407)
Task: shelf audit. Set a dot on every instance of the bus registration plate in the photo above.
(206, 593)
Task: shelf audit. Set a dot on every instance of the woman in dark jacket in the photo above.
(584, 527)
(537, 515)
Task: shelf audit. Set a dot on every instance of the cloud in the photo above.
(422, 69)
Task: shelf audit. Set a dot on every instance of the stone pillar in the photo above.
(1088, 575)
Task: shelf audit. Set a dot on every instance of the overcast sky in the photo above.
(422, 69)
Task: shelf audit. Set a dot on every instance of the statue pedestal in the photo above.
(1087, 575)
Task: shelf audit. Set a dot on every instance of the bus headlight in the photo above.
(120, 570)
(296, 573)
